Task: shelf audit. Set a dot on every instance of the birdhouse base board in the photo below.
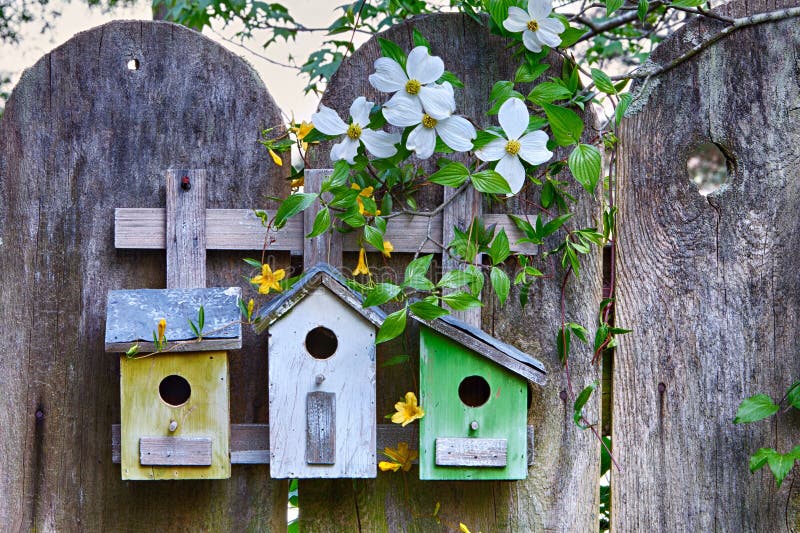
(174, 451)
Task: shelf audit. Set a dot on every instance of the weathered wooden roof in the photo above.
(133, 315)
(489, 347)
(321, 274)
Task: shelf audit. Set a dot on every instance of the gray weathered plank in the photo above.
(174, 451)
(250, 442)
(81, 136)
(321, 428)
(709, 285)
(326, 247)
(471, 452)
(132, 316)
(186, 228)
(241, 229)
(459, 213)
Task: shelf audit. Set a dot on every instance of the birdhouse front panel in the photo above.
(322, 390)
(175, 422)
(475, 414)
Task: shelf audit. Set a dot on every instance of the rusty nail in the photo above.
(320, 379)
(186, 183)
(662, 388)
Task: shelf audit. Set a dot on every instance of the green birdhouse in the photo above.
(474, 389)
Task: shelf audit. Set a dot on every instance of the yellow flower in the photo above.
(402, 457)
(407, 411)
(268, 279)
(463, 528)
(250, 306)
(276, 158)
(365, 193)
(162, 328)
(301, 131)
(299, 182)
(387, 249)
(361, 267)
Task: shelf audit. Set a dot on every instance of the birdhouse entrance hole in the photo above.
(321, 343)
(474, 391)
(174, 390)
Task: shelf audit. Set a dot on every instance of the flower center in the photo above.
(533, 25)
(512, 147)
(354, 131)
(413, 86)
(428, 121)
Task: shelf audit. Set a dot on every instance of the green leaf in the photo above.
(396, 360)
(393, 326)
(613, 5)
(780, 465)
(451, 78)
(755, 408)
(624, 101)
(294, 204)
(641, 9)
(603, 82)
(570, 36)
(476, 285)
(585, 164)
(453, 279)
(500, 283)
(392, 51)
(419, 40)
(759, 459)
(580, 403)
(562, 344)
(793, 395)
(489, 181)
(453, 175)
(418, 267)
(553, 226)
(252, 262)
(201, 318)
(374, 237)
(500, 249)
(428, 311)
(567, 126)
(547, 92)
(321, 223)
(688, 3)
(579, 331)
(460, 301)
(381, 293)
(498, 10)
(527, 73)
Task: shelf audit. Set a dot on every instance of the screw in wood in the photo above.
(320, 378)
(473, 425)
(173, 425)
(186, 183)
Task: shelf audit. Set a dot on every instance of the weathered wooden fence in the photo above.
(707, 284)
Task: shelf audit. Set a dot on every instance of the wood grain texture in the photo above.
(327, 247)
(175, 451)
(241, 229)
(709, 284)
(81, 136)
(471, 452)
(321, 428)
(459, 213)
(349, 374)
(561, 491)
(186, 229)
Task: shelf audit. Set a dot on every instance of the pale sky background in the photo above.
(76, 17)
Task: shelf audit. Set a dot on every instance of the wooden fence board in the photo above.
(708, 284)
(81, 136)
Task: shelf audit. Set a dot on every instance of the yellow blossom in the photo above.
(301, 131)
(407, 411)
(366, 192)
(268, 279)
(361, 267)
(250, 306)
(299, 182)
(402, 457)
(276, 158)
(463, 528)
(387, 249)
(162, 328)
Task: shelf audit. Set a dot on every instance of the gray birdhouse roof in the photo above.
(489, 347)
(324, 275)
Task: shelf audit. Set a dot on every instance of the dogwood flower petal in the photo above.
(539, 9)
(533, 148)
(347, 150)
(403, 110)
(547, 38)
(517, 20)
(380, 143)
(531, 42)
(512, 170)
(437, 101)
(328, 122)
(551, 25)
(422, 141)
(492, 151)
(423, 67)
(513, 117)
(359, 110)
(456, 132)
(389, 76)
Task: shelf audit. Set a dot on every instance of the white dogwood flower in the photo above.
(532, 147)
(537, 29)
(416, 84)
(378, 143)
(457, 132)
